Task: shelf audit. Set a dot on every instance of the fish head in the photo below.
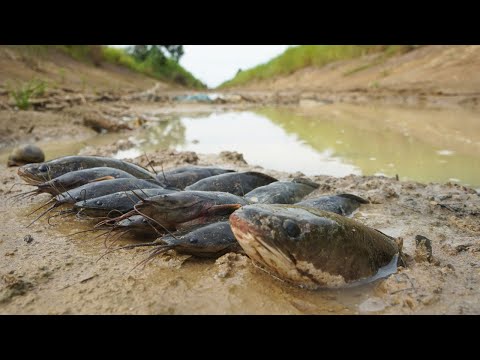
(291, 242)
(34, 173)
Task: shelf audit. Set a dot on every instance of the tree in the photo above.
(156, 52)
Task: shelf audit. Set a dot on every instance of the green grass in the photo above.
(22, 94)
(170, 71)
(298, 57)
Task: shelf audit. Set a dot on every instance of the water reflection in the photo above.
(379, 151)
(347, 143)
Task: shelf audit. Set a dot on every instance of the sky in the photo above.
(214, 64)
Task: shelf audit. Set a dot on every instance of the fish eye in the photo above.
(194, 240)
(78, 198)
(291, 228)
(43, 168)
(98, 202)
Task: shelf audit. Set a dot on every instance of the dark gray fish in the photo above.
(94, 190)
(187, 175)
(208, 241)
(212, 240)
(101, 188)
(78, 178)
(139, 227)
(39, 173)
(239, 183)
(309, 247)
(282, 192)
(342, 204)
(189, 208)
(116, 203)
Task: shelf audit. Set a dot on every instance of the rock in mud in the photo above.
(233, 156)
(26, 154)
(423, 251)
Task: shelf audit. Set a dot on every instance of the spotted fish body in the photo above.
(309, 247)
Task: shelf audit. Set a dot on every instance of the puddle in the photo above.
(336, 140)
(333, 143)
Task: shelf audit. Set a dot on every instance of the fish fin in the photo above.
(305, 181)
(226, 208)
(355, 198)
(388, 236)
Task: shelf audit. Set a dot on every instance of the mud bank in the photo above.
(45, 271)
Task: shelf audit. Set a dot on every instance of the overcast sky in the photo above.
(214, 64)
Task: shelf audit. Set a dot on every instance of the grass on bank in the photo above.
(22, 94)
(298, 57)
(169, 71)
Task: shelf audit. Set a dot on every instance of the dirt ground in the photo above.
(46, 270)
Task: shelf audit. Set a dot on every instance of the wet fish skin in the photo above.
(239, 183)
(116, 203)
(41, 172)
(139, 227)
(212, 240)
(179, 209)
(342, 204)
(282, 192)
(188, 175)
(101, 188)
(78, 178)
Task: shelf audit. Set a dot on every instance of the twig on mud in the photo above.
(397, 291)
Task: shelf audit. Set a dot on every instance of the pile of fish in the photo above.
(207, 211)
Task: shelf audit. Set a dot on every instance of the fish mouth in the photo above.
(256, 245)
(27, 176)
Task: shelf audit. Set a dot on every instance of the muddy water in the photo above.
(416, 144)
(338, 140)
(57, 148)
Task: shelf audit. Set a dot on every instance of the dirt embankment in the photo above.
(436, 75)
